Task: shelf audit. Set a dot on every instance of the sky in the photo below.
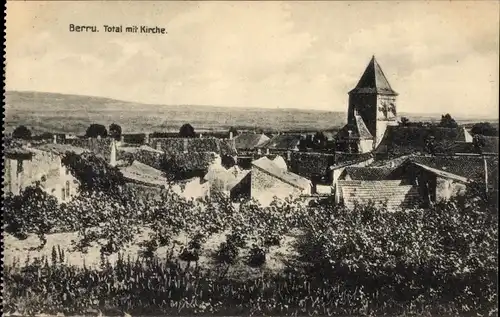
(440, 56)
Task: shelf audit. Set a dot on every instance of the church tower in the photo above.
(374, 101)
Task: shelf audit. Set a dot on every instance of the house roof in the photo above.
(272, 169)
(373, 80)
(401, 140)
(443, 173)
(468, 167)
(358, 130)
(180, 145)
(61, 148)
(490, 146)
(228, 178)
(309, 164)
(378, 192)
(143, 174)
(280, 162)
(248, 141)
(282, 142)
(366, 173)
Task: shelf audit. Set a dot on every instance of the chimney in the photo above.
(201, 136)
(54, 139)
(146, 138)
(230, 135)
(122, 139)
(289, 155)
(185, 145)
(267, 151)
(158, 146)
(112, 159)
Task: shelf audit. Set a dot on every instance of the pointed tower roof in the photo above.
(374, 81)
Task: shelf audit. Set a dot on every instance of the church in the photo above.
(372, 108)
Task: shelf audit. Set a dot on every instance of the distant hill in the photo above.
(54, 112)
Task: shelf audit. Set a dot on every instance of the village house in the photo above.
(234, 183)
(42, 165)
(268, 180)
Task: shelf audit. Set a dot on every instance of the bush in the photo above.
(22, 132)
(93, 172)
(95, 130)
(484, 128)
(187, 131)
(115, 131)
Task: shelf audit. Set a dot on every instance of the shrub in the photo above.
(115, 131)
(95, 130)
(187, 131)
(22, 132)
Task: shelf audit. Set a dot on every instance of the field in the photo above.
(50, 112)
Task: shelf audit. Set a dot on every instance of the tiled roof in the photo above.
(373, 80)
(470, 167)
(143, 174)
(272, 169)
(390, 192)
(282, 142)
(358, 130)
(309, 165)
(490, 146)
(61, 148)
(346, 159)
(181, 145)
(443, 174)
(366, 173)
(100, 147)
(248, 141)
(401, 140)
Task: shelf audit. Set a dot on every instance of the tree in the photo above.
(95, 130)
(320, 140)
(32, 211)
(448, 122)
(405, 121)
(115, 131)
(21, 132)
(187, 131)
(484, 128)
(478, 142)
(234, 131)
(430, 145)
(93, 172)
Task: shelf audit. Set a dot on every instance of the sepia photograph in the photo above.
(250, 158)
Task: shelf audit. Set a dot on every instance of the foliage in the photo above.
(484, 128)
(234, 131)
(187, 131)
(363, 261)
(115, 131)
(93, 172)
(448, 122)
(405, 121)
(95, 130)
(478, 143)
(21, 132)
(32, 211)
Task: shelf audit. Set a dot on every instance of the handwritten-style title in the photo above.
(118, 29)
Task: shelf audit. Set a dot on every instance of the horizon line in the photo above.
(243, 107)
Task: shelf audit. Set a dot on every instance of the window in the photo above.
(63, 197)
